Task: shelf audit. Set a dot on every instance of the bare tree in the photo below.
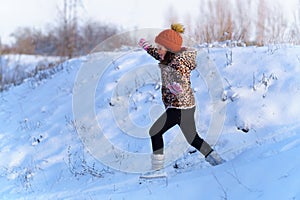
(248, 22)
(24, 40)
(92, 33)
(294, 32)
(261, 22)
(68, 23)
(276, 24)
(243, 21)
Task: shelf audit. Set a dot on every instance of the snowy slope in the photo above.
(42, 156)
(16, 68)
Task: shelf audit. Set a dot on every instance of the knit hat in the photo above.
(171, 38)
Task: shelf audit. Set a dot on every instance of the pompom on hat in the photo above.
(171, 38)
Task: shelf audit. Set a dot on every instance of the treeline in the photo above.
(68, 37)
(58, 40)
(255, 22)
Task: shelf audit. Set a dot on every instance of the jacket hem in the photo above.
(187, 107)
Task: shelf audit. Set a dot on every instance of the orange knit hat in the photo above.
(171, 38)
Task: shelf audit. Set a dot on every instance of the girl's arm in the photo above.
(153, 52)
(149, 48)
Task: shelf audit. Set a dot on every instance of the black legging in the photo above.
(186, 121)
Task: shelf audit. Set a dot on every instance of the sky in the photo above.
(129, 14)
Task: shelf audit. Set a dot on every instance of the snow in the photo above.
(43, 157)
(16, 68)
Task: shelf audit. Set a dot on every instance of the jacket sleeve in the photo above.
(153, 52)
(190, 60)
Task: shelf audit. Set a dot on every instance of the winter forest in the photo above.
(246, 86)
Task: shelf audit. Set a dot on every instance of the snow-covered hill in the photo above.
(43, 157)
(15, 68)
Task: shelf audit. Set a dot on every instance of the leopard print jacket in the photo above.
(176, 69)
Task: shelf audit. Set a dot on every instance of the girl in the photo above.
(176, 64)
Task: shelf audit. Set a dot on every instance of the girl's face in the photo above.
(161, 50)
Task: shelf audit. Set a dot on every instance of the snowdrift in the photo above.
(42, 156)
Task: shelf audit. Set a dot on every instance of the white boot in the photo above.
(214, 159)
(157, 169)
(157, 161)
